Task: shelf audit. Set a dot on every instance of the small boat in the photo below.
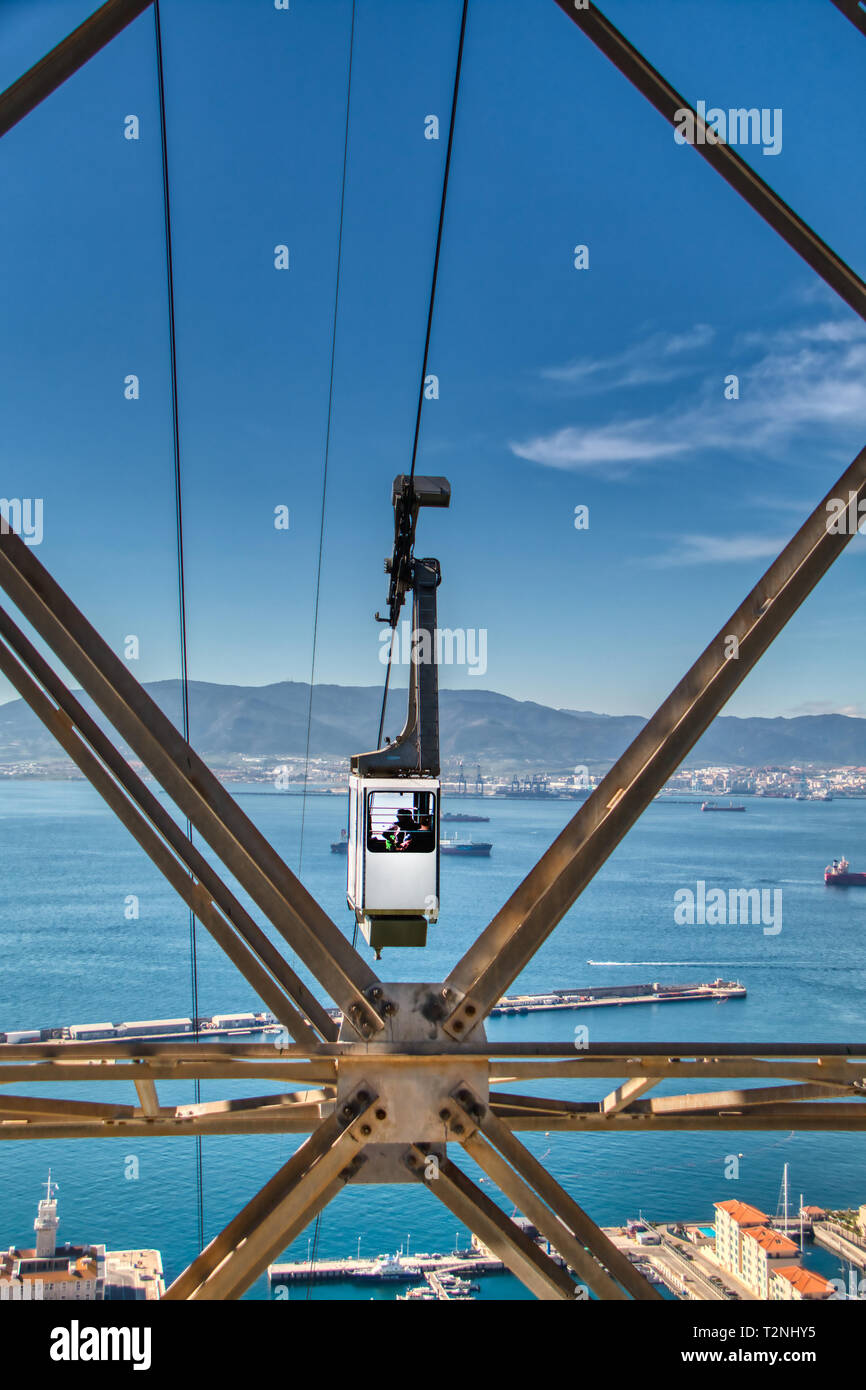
(721, 806)
(341, 846)
(466, 849)
(838, 875)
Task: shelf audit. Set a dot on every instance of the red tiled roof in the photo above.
(805, 1281)
(774, 1242)
(743, 1214)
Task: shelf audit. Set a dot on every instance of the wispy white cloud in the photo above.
(826, 707)
(574, 448)
(698, 549)
(657, 358)
(808, 384)
(828, 331)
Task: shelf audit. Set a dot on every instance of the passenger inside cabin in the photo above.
(411, 830)
(424, 839)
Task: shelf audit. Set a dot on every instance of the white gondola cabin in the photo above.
(393, 869)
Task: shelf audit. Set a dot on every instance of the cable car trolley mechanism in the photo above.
(393, 860)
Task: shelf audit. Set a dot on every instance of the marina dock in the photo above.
(403, 1269)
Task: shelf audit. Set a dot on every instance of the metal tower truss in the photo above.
(408, 1076)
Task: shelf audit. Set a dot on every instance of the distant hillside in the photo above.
(477, 725)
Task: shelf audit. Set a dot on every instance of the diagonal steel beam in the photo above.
(244, 1248)
(66, 58)
(624, 1095)
(725, 160)
(43, 1107)
(543, 1219)
(575, 1218)
(147, 1097)
(192, 893)
(284, 1100)
(191, 784)
(585, 1117)
(841, 1075)
(168, 1124)
(502, 950)
(162, 821)
(745, 1099)
(854, 11)
(145, 1069)
(541, 1275)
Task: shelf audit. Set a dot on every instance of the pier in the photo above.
(248, 1025)
(404, 1269)
(835, 1238)
(597, 996)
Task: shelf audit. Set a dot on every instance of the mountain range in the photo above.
(504, 735)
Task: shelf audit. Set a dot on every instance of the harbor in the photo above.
(740, 1254)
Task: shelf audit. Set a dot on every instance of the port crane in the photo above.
(408, 1078)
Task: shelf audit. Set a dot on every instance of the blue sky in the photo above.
(557, 387)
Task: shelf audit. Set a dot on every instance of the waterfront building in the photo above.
(764, 1252)
(83, 1273)
(733, 1219)
(795, 1282)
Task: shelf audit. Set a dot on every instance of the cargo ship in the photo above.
(721, 806)
(467, 849)
(159, 1029)
(458, 816)
(838, 874)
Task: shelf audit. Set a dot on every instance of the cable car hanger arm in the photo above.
(416, 749)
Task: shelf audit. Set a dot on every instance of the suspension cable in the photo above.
(314, 1255)
(181, 583)
(327, 434)
(430, 309)
(385, 691)
(432, 303)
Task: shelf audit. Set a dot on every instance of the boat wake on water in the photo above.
(664, 962)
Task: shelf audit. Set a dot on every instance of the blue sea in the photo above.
(70, 955)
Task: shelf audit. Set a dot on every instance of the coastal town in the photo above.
(742, 1254)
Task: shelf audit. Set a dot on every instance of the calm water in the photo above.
(70, 956)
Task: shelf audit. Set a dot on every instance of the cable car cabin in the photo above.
(393, 869)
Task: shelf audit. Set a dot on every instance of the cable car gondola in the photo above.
(393, 861)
